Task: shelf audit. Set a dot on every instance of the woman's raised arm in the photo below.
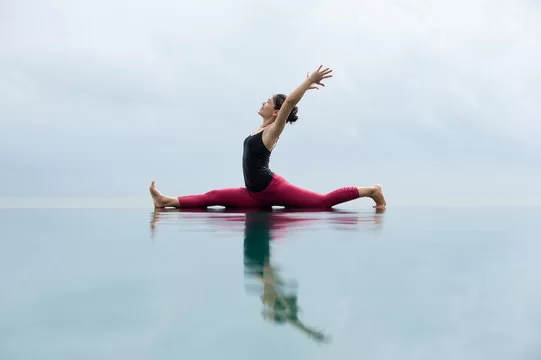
(311, 82)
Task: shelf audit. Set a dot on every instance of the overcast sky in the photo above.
(437, 101)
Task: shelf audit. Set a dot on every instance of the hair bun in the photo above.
(293, 115)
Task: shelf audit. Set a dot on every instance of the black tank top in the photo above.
(255, 163)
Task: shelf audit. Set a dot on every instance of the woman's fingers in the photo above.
(319, 75)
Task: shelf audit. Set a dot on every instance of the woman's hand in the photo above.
(317, 76)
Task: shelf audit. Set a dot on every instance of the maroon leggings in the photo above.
(278, 193)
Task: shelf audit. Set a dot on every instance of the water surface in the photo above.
(141, 284)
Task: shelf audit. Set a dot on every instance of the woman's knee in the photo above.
(312, 202)
(212, 193)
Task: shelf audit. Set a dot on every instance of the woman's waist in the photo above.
(258, 179)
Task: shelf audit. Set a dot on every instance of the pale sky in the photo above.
(436, 101)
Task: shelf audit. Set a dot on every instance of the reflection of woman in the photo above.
(280, 303)
(279, 298)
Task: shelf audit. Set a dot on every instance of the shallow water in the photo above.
(138, 284)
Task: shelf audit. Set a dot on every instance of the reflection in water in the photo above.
(279, 297)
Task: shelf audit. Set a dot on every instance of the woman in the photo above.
(263, 188)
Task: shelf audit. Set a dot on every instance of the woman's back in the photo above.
(255, 163)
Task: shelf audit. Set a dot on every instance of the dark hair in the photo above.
(278, 101)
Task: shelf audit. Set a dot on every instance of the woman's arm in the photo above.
(311, 82)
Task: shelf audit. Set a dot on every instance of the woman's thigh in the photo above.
(282, 193)
(233, 198)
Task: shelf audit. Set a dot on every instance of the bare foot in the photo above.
(160, 200)
(378, 197)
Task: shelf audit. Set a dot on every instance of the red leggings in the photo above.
(278, 193)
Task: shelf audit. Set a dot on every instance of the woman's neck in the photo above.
(267, 122)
